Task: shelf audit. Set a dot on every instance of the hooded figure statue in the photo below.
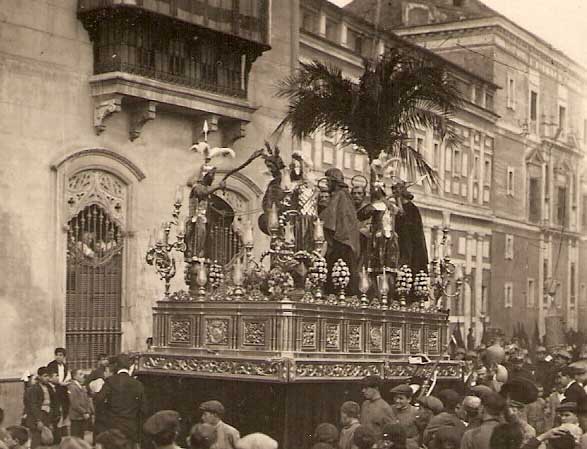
(341, 228)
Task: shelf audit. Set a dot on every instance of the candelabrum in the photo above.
(159, 253)
(442, 274)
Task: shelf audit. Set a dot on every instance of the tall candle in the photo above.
(181, 225)
(289, 234)
(179, 195)
(273, 217)
(318, 230)
(248, 233)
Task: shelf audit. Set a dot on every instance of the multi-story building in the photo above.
(538, 194)
(463, 201)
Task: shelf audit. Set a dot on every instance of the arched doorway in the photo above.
(224, 241)
(94, 266)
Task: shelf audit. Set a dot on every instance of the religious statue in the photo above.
(341, 228)
(409, 229)
(274, 193)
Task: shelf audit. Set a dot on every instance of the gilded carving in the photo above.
(217, 332)
(376, 338)
(354, 337)
(333, 336)
(415, 340)
(433, 340)
(221, 367)
(445, 371)
(309, 335)
(336, 370)
(395, 339)
(254, 333)
(181, 330)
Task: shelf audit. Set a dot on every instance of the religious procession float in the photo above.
(344, 290)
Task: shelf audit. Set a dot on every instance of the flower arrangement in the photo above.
(279, 281)
(318, 272)
(421, 282)
(215, 275)
(341, 274)
(403, 281)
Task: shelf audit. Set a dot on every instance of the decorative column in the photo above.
(541, 280)
(468, 308)
(479, 287)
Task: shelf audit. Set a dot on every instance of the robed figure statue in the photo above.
(341, 229)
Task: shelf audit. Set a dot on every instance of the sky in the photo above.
(562, 23)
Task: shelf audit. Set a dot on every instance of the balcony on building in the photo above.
(191, 54)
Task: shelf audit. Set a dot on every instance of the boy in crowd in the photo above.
(81, 408)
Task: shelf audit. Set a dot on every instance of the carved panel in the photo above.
(309, 334)
(394, 370)
(433, 340)
(228, 368)
(355, 337)
(376, 338)
(217, 331)
(415, 339)
(96, 187)
(333, 370)
(332, 334)
(180, 330)
(395, 337)
(254, 333)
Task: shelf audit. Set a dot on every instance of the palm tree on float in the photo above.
(397, 94)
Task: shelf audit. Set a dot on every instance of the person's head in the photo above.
(60, 354)
(506, 436)
(112, 439)
(446, 438)
(54, 377)
(364, 438)
(102, 360)
(402, 394)
(450, 399)
(565, 441)
(470, 362)
(19, 434)
(202, 436)
(470, 408)
(460, 354)
(9, 440)
(335, 179)
(561, 357)
(43, 375)
(77, 374)
(358, 195)
(579, 372)
(162, 427)
(349, 412)
(256, 441)
(326, 433)
(394, 436)
(567, 412)
(540, 353)
(516, 410)
(323, 198)
(371, 387)
(212, 412)
(493, 404)
(74, 443)
(123, 361)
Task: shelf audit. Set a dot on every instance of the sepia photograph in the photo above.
(293, 224)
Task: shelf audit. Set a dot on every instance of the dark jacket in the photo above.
(33, 401)
(120, 404)
(61, 394)
(575, 393)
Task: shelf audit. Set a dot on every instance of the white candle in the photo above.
(248, 233)
(318, 230)
(179, 195)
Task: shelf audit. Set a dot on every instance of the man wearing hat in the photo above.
(40, 406)
(470, 411)
(163, 428)
(375, 411)
(202, 436)
(430, 406)
(479, 438)
(574, 392)
(406, 413)
(517, 413)
(447, 418)
(543, 370)
(226, 436)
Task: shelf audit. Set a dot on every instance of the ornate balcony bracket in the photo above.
(142, 113)
(235, 130)
(104, 107)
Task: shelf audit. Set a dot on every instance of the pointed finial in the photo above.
(206, 130)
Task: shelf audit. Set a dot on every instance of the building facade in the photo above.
(541, 136)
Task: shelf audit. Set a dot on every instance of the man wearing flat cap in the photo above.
(574, 392)
(226, 436)
(202, 436)
(375, 411)
(406, 413)
(163, 428)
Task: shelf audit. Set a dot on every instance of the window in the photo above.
(533, 112)
(309, 21)
(448, 160)
(476, 167)
(462, 249)
(561, 205)
(487, 172)
(419, 144)
(465, 166)
(511, 92)
(534, 200)
(456, 169)
(486, 249)
(510, 182)
(436, 155)
(562, 118)
(584, 213)
(332, 30)
(479, 96)
(583, 297)
(531, 294)
(489, 101)
(509, 246)
(508, 295)
(354, 41)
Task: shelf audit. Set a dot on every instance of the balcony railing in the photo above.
(246, 19)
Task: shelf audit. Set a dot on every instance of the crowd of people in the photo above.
(507, 400)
